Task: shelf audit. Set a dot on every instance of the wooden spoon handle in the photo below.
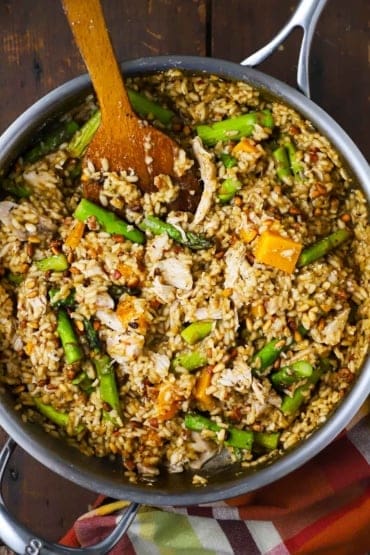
(88, 26)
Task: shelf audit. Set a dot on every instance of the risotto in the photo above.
(133, 326)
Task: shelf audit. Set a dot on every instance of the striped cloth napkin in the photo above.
(322, 508)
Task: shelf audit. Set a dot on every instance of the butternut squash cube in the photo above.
(75, 235)
(274, 250)
(247, 234)
(168, 401)
(245, 145)
(204, 400)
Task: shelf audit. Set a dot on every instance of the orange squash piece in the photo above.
(247, 234)
(133, 310)
(245, 145)
(125, 270)
(204, 400)
(274, 250)
(75, 235)
(168, 401)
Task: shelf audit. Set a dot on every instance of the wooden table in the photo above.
(37, 53)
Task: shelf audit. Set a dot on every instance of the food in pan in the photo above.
(135, 328)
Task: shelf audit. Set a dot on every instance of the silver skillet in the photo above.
(224, 481)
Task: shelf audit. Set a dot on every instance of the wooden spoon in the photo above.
(122, 138)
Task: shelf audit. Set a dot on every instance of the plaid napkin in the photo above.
(323, 508)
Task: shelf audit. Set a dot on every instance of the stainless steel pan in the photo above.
(224, 482)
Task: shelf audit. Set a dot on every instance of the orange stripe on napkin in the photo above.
(343, 532)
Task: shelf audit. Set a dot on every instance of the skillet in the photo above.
(224, 482)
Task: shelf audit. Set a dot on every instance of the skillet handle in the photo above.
(305, 16)
(21, 540)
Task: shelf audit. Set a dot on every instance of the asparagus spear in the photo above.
(323, 247)
(108, 221)
(83, 381)
(18, 190)
(91, 335)
(228, 160)
(73, 168)
(82, 138)
(267, 440)
(56, 263)
(291, 403)
(67, 302)
(190, 361)
(144, 107)
(242, 439)
(268, 354)
(282, 161)
(72, 350)
(291, 374)
(197, 423)
(228, 189)
(140, 103)
(104, 369)
(59, 418)
(108, 417)
(157, 227)
(294, 163)
(50, 142)
(196, 331)
(107, 380)
(234, 128)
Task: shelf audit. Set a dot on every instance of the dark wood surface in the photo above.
(37, 53)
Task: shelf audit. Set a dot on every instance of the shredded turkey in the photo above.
(176, 272)
(332, 332)
(208, 175)
(239, 275)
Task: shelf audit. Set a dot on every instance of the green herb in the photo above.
(116, 291)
